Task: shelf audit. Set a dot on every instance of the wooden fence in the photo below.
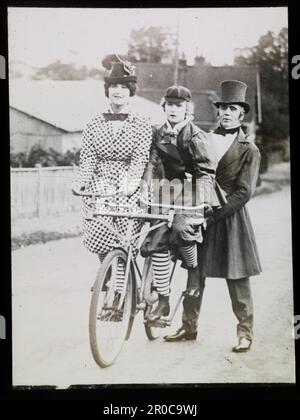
(43, 191)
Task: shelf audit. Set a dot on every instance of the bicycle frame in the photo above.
(127, 241)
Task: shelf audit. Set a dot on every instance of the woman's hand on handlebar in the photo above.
(127, 190)
(78, 188)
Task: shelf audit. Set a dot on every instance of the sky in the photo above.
(39, 36)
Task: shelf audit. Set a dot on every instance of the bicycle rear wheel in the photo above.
(109, 324)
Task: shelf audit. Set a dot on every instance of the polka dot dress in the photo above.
(109, 158)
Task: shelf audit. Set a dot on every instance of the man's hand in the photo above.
(208, 211)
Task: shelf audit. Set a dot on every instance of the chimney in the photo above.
(199, 61)
(182, 62)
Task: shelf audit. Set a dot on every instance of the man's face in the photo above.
(231, 115)
(175, 112)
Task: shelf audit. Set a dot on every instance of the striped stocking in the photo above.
(189, 254)
(161, 270)
(120, 276)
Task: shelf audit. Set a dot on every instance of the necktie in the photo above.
(170, 138)
(109, 116)
(223, 131)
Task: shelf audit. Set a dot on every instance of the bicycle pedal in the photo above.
(117, 317)
(159, 323)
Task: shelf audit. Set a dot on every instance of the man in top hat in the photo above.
(229, 250)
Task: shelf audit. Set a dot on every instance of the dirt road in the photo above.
(51, 295)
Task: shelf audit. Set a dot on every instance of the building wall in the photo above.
(26, 131)
(202, 80)
(153, 76)
(209, 78)
(71, 141)
(205, 114)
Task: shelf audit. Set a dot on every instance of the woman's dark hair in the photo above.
(130, 85)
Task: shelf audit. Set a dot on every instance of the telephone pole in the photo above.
(176, 57)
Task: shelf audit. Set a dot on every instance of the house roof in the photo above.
(69, 105)
(204, 82)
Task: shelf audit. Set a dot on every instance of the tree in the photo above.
(271, 57)
(67, 71)
(149, 45)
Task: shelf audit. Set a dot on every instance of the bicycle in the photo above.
(112, 312)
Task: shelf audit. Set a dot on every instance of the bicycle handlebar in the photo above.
(144, 216)
(159, 205)
(173, 206)
(91, 195)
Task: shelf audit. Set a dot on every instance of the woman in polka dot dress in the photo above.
(114, 154)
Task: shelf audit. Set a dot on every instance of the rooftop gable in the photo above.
(70, 105)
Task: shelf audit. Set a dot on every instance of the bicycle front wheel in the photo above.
(110, 319)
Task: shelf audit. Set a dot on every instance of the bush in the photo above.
(49, 157)
(17, 160)
(38, 237)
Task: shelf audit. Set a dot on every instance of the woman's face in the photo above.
(118, 95)
(175, 112)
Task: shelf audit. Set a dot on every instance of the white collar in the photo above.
(179, 126)
(125, 110)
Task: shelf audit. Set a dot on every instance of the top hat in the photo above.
(121, 70)
(233, 92)
(176, 94)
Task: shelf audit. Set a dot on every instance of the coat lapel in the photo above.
(234, 152)
(165, 145)
(170, 150)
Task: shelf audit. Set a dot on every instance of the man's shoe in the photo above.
(162, 309)
(181, 335)
(243, 345)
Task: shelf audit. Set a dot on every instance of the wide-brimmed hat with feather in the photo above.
(121, 70)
